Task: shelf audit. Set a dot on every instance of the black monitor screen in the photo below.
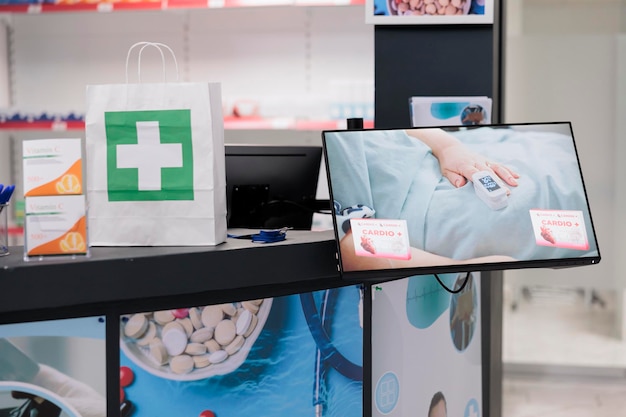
(271, 186)
(453, 199)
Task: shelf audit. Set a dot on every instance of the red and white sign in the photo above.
(381, 238)
(560, 228)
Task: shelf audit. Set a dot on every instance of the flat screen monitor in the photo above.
(271, 186)
(458, 199)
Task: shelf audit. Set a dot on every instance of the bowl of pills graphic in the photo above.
(188, 344)
(428, 7)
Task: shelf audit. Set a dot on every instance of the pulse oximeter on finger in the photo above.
(489, 190)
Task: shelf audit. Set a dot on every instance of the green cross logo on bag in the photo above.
(149, 155)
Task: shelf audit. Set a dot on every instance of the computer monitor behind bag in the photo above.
(453, 199)
(271, 186)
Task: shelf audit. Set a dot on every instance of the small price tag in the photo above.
(381, 238)
(34, 8)
(105, 7)
(560, 229)
(58, 126)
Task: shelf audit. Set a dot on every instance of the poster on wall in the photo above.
(435, 336)
(284, 356)
(434, 12)
(54, 368)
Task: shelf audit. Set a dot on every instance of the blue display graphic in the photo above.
(472, 409)
(387, 393)
(447, 110)
(426, 299)
(306, 359)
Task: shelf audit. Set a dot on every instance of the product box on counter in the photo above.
(52, 167)
(55, 225)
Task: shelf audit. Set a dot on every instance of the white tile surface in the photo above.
(557, 397)
(560, 356)
(561, 328)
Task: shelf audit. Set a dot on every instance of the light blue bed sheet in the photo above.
(399, 177)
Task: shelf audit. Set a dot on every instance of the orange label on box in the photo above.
(68, 183)
(52, 167)
(73, 241)
(55, 225)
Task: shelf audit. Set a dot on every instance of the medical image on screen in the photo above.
(426, 198)
(53, 368)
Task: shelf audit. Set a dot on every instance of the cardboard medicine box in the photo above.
(55, 225)
(52, 167)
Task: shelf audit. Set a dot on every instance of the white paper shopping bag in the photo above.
(155, 163)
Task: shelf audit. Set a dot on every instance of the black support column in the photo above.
(448, 60)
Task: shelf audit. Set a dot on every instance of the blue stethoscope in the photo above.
(326, 353)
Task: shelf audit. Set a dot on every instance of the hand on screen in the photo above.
(457, 162)
(87, 401)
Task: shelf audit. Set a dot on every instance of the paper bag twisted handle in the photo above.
(159, 47)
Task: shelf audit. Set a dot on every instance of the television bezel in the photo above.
(380, 275)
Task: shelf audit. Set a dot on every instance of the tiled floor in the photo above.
(561, 357)
(563, 397)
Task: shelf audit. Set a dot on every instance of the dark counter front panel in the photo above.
(140, 276)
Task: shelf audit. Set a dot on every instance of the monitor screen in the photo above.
(271, 186)
(453, 199)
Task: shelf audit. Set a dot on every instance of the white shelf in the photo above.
(297, 63)
(229, 124)
(125, 5)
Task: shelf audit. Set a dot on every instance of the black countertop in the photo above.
(134, 278)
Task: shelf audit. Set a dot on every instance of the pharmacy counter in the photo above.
(143, 277)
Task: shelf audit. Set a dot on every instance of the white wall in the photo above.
(620, 147)
(5, 169)
(558, 77)
(286, 58)
(5, 95)
(57, 55)
(564, 60)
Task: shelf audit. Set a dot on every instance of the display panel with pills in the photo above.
(284, 355)
(180, 344)
(458, 199)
